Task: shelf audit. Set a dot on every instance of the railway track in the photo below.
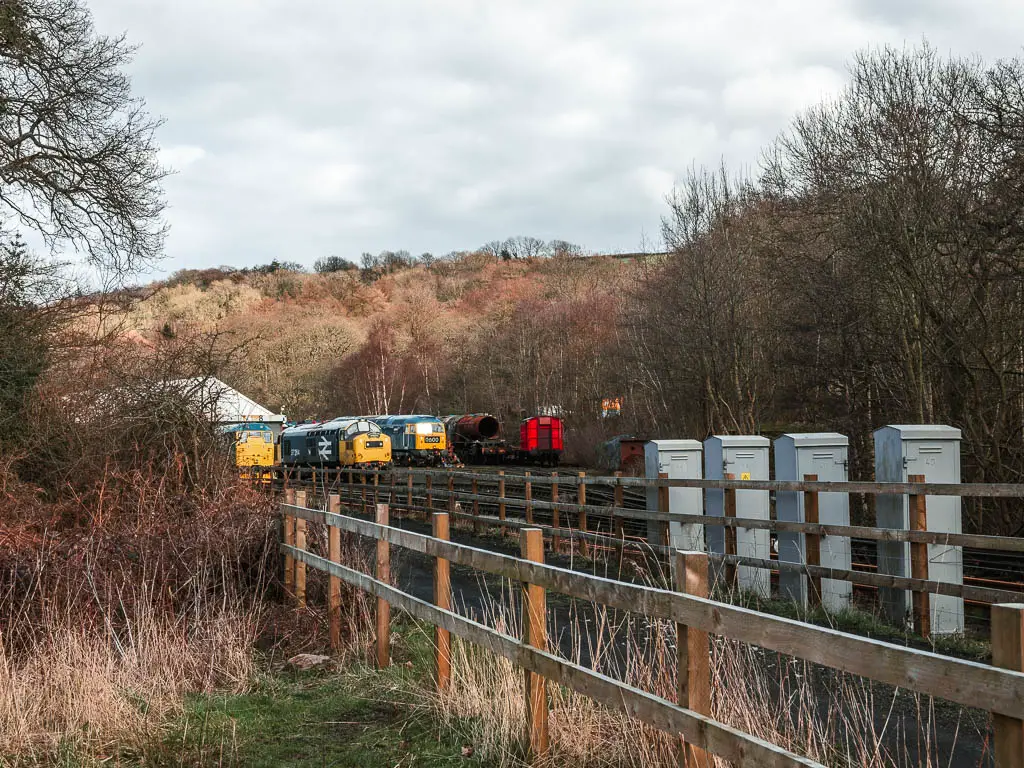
(1002, 570)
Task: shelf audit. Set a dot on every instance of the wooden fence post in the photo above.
(430, 494)
(556, 517)
(812, 544)
(531, 546)
(581, 499)
(501, 500)
(408, 494)
(731, 570)
(333, 582)
(528, 495)
(363, 493)
(383, 573)
(693, 654)
(618, 525)
(288, 533)
(476, 508)
(442, 599)
(451, 495)
(663, 528)
(376, 484)
(300, 543)
(919, 561)
(1008, 653)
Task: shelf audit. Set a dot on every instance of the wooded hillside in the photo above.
(872, 274)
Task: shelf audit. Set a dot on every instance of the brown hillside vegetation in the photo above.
(467, 333)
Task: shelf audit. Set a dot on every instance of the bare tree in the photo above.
(702, 331)
(78, 160)
(523, 247)
(557, 248)
(494, 248)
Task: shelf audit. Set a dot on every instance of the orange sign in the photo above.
(611, 406)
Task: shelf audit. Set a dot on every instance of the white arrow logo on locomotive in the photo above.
(325, 447)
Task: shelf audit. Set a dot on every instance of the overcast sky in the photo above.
(305, 128)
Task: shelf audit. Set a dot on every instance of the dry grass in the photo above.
(112, 619)
(308, 631)
(117, 604)
(819, 713)
(91, 685)
(485, 703)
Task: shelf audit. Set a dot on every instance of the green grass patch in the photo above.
(356, 717)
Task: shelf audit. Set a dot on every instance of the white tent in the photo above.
(230, 406)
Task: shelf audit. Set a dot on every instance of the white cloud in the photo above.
(780, 94)
(178, 157)
(655, 182)
(300, 128)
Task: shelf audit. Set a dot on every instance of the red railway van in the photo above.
(540, 440)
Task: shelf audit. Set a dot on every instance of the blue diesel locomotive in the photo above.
(415, 440)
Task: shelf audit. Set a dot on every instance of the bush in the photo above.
(278, 266)
(204, 278)
(333, 264)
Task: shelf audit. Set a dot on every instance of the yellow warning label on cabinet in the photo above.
(744, 475)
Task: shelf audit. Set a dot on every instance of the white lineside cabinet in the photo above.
(746, 457)
(902, 450)
(825, 454)
(680, 460)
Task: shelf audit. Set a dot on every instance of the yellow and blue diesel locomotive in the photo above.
(341, 442)
(419, 440)
(252, 443)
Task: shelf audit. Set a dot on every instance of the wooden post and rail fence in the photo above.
(602, 527)
(997, 688)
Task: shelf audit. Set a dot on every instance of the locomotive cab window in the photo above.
(359, 427)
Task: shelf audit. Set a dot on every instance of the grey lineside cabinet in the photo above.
(680, 460)
(902, 450)
(825, 454)
(745, 457)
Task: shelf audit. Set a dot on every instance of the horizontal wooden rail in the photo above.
(995, 543)
(978, 490)
(988, 595)
(742, 749)
(968, 592)
(964, 682)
